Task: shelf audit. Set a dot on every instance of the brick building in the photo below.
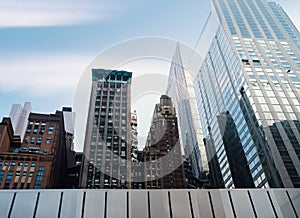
(40, 161)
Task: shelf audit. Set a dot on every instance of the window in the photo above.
(34, 150)
(39, 141)
(36, 127)
(50, 130)
(32, 140)
(26, 139)
(29, 127)
(39, 178)
(46, 152)
(48, 141)
(24, 149)
(256, 63)
(0, 134)
(8, 179)
(1, 176)
(43, 126)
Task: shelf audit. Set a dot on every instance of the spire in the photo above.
(177, 59)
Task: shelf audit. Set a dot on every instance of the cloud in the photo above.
(32, 13)
(40, 75)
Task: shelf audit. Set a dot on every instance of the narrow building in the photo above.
(162, 157)
(107, 147)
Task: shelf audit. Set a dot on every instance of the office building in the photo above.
(248, 94)
(107, 146)
(40, 161)
(180, 89)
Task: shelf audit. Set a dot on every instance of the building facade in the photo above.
(251, 72)
(107, 146)
(180, 89)
(40, 160)
(134, 136)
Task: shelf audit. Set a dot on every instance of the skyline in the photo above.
(212, 107)
(31, 55)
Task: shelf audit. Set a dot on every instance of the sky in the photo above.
(46, 45)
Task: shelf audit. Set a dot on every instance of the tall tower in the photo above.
(107, 146)
(180, 89)
(251, 72)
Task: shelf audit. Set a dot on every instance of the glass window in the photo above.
(39, 178)
(50, 130)
(39, 141)
(48, 141)
(29, 127)
(24, 149)
(32, 140)
(268, 116)
(270, 94)
(264, 107)
(43, 126)
(36, 127)
(34, 149)
(285, 101)
(295, 79)
(1, 176)
(26, 140)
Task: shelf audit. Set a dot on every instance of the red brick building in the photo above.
(40, 161)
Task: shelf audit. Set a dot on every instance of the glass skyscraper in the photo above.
(180, 89)
(250, 77)
(107, 146)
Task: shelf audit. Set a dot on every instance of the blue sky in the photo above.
(43, 54)
(46, 45)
